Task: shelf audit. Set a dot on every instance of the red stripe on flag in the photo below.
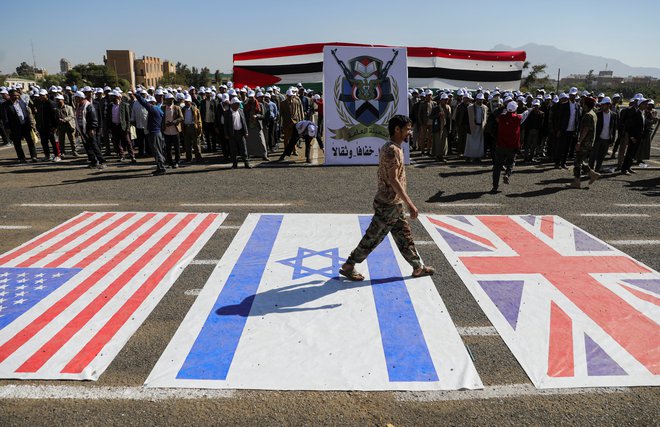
(105, 334)
(41, 356)
(114, 242)
(548, 225)
(65, 241)
(29, 331)
(462, 232)
(560, 353)
(641, 295)
(420, 52)
(90, 241)
(46, 237)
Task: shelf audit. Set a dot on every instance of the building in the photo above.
(148, 71)
(121, 62)
(65, 65)
(40, 73)
(168, 67)
(24, 84)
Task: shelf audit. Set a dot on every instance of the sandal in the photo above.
(352, 275)
(426, 271)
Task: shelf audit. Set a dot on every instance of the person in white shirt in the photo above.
(606, 127)
(236, 131)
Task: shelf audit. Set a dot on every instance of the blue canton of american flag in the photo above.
(72, 297)
(22, 288)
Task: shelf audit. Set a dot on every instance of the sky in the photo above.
(207, 33)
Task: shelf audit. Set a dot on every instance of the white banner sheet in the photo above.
(274, 315)
(575, 311)
(363, 88)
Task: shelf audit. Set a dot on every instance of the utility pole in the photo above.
(34, 58)
(558, 74)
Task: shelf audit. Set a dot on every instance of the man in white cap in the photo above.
(66, 125)
(635, 127)
(18, 121)
(606, 127)
(207, 109)
(292, 112)
(585, 143)
(569, 119)
(139, 120)
(118, 117)
(192, 130)
(47, 125)
(154, 127)
(87, 126)
(507, 144)
(533, 126)
(271, 114)
(442, 128)
(425, 109)
(171, 130)
(236, 131)
(462, 122)
(474, 144)
(4, 97)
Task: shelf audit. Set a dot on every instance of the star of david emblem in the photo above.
(300, 270)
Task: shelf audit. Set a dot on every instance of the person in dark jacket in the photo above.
(606, 128)
(18, 121)
(154, 127)
(236, 131)
(635, 128)
(87, 125)
(47, 125)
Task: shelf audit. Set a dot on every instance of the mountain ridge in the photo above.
(577, 63)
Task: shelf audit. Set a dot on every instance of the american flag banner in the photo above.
(575, 311)
(72, 297)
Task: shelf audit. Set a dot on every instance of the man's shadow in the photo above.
(290, 299)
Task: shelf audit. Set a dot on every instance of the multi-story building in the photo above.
(148, 70)
(121, 62)
(65, 65)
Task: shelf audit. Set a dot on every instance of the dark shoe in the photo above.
(564, 167)
(158, 172)
(265, 159)
(175, 166)
(632, 171)
(133, 160)
(34, 160)
(506, 179)
(100, 166)
(494, 190)
(22, 161)
(234, 166)
(247, 166)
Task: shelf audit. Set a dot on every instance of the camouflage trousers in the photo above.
(581, 161)
(387, 218)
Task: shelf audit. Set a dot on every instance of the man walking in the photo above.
(192, 130)
(66, 125)
(87, 125)
(236, 131)
(119, 121)
(155, 135)
(171, 130)
(389, 206)
(507, 145)
(18, 120)
(569, 117)
(605, 134)
(585, 143)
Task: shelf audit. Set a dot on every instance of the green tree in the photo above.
(93, 75)
(534, 76)
(25, 70)
(52, 80)
(589, 80)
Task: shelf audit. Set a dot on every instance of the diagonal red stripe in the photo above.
(462, 232)
(560, 346)
(65, 241)
(46, 237)
(43, 354)
(90, 241)
(105, 334)
(15, 342)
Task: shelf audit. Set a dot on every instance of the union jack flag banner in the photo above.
(72, 297)
(274, 315)
(574, 311)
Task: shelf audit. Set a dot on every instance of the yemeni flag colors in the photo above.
(427, 66)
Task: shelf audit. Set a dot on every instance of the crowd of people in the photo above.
(171, 123)
(160, 122)
(541, 127)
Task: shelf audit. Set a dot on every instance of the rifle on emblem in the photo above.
(388, 65)
(344, 68)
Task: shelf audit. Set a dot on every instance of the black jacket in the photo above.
(10, 117)
(229, 127)
(614, 124)
(635, 125)
(565, 115)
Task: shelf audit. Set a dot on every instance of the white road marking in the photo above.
(204, 261)
(236, 204)
(614, 215)
(481, 331)
(65, 205)
(229, 227)
(638, 205)
(424, 242)
(467, 205)
(14, 227)
(634, 242)
(192, 292)
(498, 392)
(31, 392)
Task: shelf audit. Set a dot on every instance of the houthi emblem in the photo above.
(366, 97)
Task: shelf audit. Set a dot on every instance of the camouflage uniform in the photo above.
(588, 122)
(389, 213)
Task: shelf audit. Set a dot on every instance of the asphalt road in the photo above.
(455, 188)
